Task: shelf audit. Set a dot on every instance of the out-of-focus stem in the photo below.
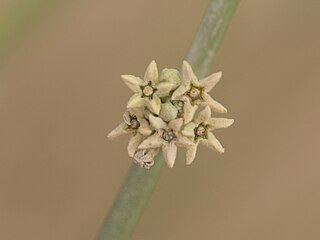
(139, 183)
(17, 18)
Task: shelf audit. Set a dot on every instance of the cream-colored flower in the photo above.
(197, 90)
(199, 130)
(185, 109)
(148, 90)
(134, 124)
(145, 157)
(168, 137)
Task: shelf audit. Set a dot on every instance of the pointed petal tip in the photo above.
(170, 165)
(109, 136)
(185, 63)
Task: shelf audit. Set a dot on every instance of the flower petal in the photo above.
(188, 111)
(154, 105)
(203, 116)
(214, 105)
(133, 82)
(164, 88)
(169, 153)
(137, 112)
(154, 141)
(126, 117)
(176, 124)
(216, 123)
(188, 130)
(179, 92)
(119, 131)
(134, 142)
(136, 101)
(188, 75)
(209, 82)
(144, 128)
(151, 74)
(183, 141)
(191, 153)
(157, 122)
(213, 143)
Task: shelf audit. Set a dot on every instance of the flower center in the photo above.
(200, 131)
(194, 93)
(168, 135)
(147, 91)
(134, 123)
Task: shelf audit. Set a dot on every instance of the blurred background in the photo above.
(61, 92)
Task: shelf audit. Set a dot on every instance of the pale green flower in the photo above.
(167, 136)
(148, 90)
(197, 90)
(135, 125)
(199, 130)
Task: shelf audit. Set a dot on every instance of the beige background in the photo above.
(60, 93)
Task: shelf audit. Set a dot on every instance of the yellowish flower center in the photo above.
(194, 93)
(147, 91)
(200, 131)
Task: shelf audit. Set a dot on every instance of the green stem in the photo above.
(139, 183)
(18, 18)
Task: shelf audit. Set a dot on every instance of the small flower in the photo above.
(199, 130)
(197, 90)
(185, 109)
(145, 157)
(167, 136)
(134, 124)
(147, 90)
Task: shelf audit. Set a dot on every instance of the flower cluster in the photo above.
(168, 111)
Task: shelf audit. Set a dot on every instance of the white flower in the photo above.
(185, 109)
(197, 90)
(199, 131)
(134, 124)
(145, 157)
(147, 90)
(168, 137)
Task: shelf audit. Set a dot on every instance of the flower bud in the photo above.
(168, 112)
(170, 75)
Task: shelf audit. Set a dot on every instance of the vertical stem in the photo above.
(139, 183)
(130, 202)
(210, 34)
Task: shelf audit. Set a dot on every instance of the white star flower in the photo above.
(199, 130)
(148, 90)
(134, 124)
(197, 90)
(168, 137)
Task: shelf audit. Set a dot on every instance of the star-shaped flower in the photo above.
(134, 124)
(167, 136)
(185, 109)
(199, 130)
(147, 90)
(197, 90)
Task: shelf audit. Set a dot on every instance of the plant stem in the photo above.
(19, 18)
(139, 183)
